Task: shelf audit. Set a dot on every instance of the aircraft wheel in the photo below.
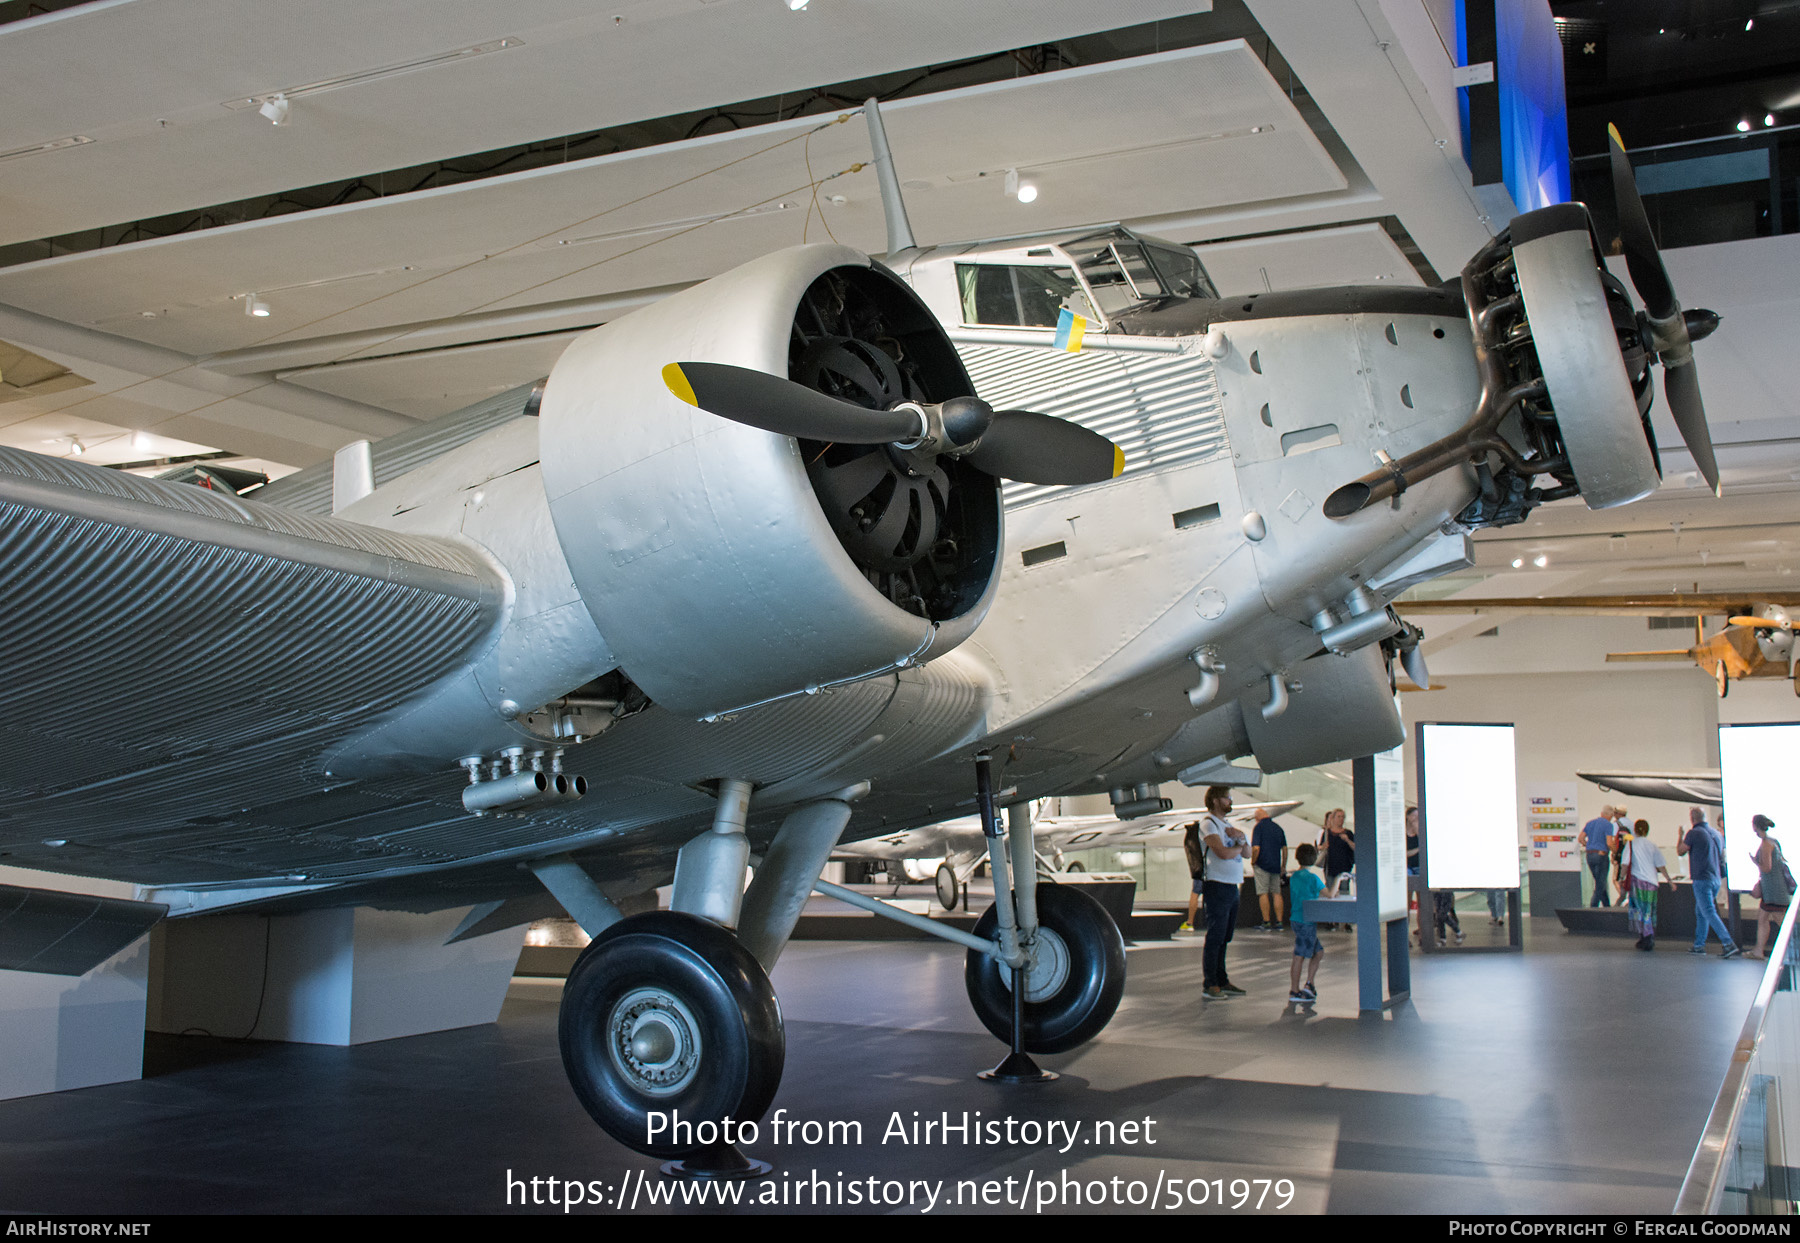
(1722, 676)
(1076, 867)
(949, 889)
(1075, 986)
(665, 1012)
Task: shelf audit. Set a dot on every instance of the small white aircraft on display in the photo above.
(767, 566)
(958, 847)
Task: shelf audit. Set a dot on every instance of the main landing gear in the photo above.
(670, 1031)
(666, 1017)
(1052, 967)
(1073, 984)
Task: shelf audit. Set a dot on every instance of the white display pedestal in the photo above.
(60, 1032)
(344, 976)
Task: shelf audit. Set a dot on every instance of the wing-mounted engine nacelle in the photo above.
(727, 565)
(1566, 384)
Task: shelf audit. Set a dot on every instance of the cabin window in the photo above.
(1017, 295)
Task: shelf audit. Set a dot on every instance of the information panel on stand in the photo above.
(1390, 833)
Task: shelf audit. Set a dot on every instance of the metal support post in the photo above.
(1017, 1066)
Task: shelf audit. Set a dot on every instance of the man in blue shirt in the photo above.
(1705, 850)
(1268, 854)
(1599, 854)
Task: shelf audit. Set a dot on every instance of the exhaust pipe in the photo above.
(1474, 437)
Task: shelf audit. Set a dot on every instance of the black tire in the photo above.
(1080, 1000)
(720, 1044)
(949, 889)
(1075, 867)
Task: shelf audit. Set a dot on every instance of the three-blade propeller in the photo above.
(1672, 332)
(1010, 444)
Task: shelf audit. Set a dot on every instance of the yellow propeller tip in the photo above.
(1118, 461)
(678, 384)
(1613, 132)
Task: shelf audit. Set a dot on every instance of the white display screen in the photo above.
(1470, 800)
(1757, 762)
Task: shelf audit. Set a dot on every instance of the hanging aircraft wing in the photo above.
(1683, 786)
(1670, 604)
(181, 649)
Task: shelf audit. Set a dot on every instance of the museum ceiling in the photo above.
(456, 190)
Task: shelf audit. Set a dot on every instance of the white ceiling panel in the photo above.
(1360, 254)
(148, 82)
(436, 382)
(1177, 131)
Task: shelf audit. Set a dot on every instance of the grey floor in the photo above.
(1573, 1078)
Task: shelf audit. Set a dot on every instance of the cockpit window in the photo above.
(1124, 271)
(1181, 272)
(1015, 296)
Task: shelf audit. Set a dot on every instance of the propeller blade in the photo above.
(1762, 623)
(1413, 661)
(1038, 448)
(1681, 385)
(1648, 275)
(777, 404)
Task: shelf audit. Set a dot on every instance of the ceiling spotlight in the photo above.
(76, 447)
(796, 5)
(254, 305)
(1768, 118)
(1024, 191)
(1743, 127)
(1750, 24)
(276, 108)
(1540, 561)
(1518, 563)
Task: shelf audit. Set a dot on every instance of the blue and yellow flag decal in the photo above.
(1070, 328)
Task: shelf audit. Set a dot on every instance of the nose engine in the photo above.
(727, 565)
(781, 480)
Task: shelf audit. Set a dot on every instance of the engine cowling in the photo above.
(727, 566)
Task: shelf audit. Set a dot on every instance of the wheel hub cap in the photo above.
(655, 1041)
(1049, 969)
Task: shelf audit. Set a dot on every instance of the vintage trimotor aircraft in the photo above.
(744, 577)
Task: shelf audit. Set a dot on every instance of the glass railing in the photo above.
(1743, 1164)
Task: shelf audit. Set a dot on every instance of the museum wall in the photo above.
(1622, 719)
